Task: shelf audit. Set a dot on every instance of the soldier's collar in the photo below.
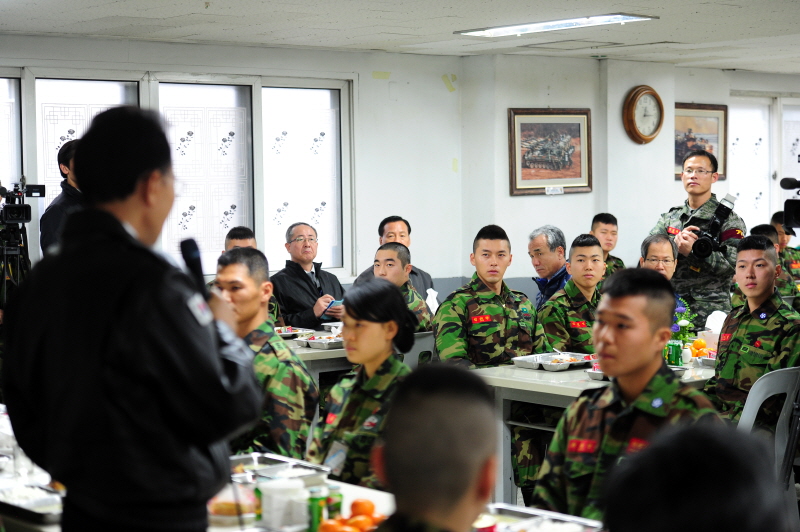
(377, 385)
(767, 309)
(652, 400)
(484, 291)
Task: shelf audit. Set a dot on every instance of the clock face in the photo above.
(647, 115)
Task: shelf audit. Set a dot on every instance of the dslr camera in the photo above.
(708, 241)
(15, 211)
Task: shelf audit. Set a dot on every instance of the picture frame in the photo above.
(550, 151)
(701, 126)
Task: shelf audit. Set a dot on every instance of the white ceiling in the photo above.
(753, 35)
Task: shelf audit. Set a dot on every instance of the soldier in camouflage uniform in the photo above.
(568, 317)
(357, 405)
(756, 338)
(291, 396)
(703, 283)
(605, 424)
(485, 324)
(789, 258)
(604, 228)
(393, 263)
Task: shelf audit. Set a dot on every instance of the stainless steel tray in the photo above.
(259, 466)
(329, 326)
(46, 515)
(325, 344)
(521, 513)
(538, 361)
(291, 332)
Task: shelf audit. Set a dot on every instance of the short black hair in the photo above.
(392, 219)
(66, 154)
(766, 230)
(490, 232)
(123, 146)
(701, 153)
(253, 259)
(240, 232)
(646, 490)
(402, 252)
(584, 241)
(758, 243)
(777, 218)
(648, 283)
(379, 301)
(604, 218)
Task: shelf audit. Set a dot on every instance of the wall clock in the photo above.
(643, 114)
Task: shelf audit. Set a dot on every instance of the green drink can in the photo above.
(675, 348)
(334, 501)
(317, 507)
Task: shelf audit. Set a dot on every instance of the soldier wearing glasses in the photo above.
(304, 290)
(703, 283)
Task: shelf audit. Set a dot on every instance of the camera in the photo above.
(708, 241)
(15, 211)
(14, 214)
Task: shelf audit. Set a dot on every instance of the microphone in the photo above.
(789, 183)
(191, 256)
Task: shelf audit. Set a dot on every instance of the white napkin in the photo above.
(431, 300)
(715, 321)
(336, 331)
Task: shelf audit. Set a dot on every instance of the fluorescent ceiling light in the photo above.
(568, 24)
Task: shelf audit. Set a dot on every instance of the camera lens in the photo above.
(703, 247)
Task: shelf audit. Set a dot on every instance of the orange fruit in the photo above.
(378, 518)
(346, 528)
(702, 352)
(361, 522)
(330, 525)
(362, 507)
(699, 343)
(342, 519)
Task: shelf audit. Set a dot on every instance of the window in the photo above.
(64, 110)
(210, 130)
(303, 170)
(10, 132)
(749, 158)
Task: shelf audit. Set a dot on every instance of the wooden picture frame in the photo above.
(701, 126)
(549, 151)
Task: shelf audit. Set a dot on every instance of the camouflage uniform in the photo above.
(289, 402)
(273, 308)
(417, 305)
(613, 264)
(750, 345)
(476, 328)
(599, 429)
(567, 320)
(704, 284)
(356, 412)
(790, 261)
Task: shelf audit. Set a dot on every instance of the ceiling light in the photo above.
(568, 24)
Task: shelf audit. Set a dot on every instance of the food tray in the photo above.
(291, 332)
(325, 344)
(49, 514)
(329, 326)
(707, 361)
(537, 361)
(678, 370)
(507, 515)
(260, 466)
(302, 342)
(596, 375)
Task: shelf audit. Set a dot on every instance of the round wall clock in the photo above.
(643, 114)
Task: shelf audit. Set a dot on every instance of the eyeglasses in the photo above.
(697, 171)
(302, 239)
(665, 262)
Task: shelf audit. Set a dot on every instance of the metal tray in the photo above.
(329, 326)
(538, 361)
(302, 342)
(291, 332)
(708, 361)
(259, 466)
(521, 513)
(325, 344)
(46, 515)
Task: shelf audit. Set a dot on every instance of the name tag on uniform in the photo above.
(581, 446)
(794, 265)
(725, 337)
(694, 268)
(481, 319)
(673, 230)
(577, 324)
(636, 444)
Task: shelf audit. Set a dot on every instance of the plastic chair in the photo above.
(423, 341)
(782, 381)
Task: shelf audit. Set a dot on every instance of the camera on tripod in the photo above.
(15, 211)
(709, 241)
(14, 214)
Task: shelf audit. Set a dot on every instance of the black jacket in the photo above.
(296, 293)
(420, 280)
(52, 220)
(119, 382)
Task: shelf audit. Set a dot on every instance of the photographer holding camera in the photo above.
(706, 232)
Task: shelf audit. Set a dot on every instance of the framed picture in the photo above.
(701, 127)
(549, 148)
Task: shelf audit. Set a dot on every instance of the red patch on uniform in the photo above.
(795, 265)
(330, 419)
(725, 337)
(636, 444)
(673, 230)
(481, 319)
(577, 324)
(581, 446)
(694, 268)
(758, 343)
(731, 233)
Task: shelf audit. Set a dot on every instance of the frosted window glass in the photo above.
(64, 110)
(749, 160)
(210, 130)
(10, 132)
(302, 170)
